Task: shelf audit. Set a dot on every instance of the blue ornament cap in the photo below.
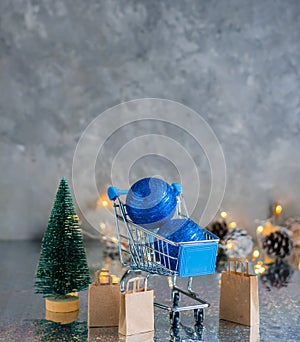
(176, 230)
(151, 202)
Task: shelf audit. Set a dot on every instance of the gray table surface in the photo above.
(22, 314)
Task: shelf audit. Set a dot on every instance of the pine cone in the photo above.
(278, 244)
(222, 260)
(290, 221)
(240, 243)
(110, 249)
(293, 225)
(111, 252)
(219, 228)
(277, 275)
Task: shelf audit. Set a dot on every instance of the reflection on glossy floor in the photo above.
(23, 315)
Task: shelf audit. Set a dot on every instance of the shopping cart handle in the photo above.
(177, 188)
(113, 193)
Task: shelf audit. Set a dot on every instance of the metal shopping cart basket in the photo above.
(143, 250)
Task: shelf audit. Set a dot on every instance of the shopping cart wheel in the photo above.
(199, 316)
(175, 320)
(199, 331)
(176, 298)
(175, 334)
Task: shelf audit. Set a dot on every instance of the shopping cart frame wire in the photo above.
(149, 252)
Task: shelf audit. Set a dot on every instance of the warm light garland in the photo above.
(259, 229)
(259, 268)
(278, 209)
(223, 214)
(230, 245)
(255, 253)
(102, 201)
(102, 225)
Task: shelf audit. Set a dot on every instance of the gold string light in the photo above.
(102, 225)
(259, 268)
(277, 210)
(223, 214)
(255, 253)
(114, 240)
(260, 229)
(230, 245)
(102, 201)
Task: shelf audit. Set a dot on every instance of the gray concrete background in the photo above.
(64, 62)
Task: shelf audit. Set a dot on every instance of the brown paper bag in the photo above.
(103, 301)
(239, 295)
(136, 308)
(142, 337)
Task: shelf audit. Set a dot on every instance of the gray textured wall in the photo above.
(64, 62)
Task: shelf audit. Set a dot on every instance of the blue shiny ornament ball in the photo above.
(176, 230)
(151, 202)
(181, 230)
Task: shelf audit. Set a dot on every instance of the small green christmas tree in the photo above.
(62, 264)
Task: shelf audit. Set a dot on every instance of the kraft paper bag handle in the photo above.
(242, 261)
(136, 287)
(105, 274)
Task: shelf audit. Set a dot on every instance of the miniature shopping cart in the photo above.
(143, 250)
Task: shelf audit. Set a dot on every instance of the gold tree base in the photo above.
(68, 304)
(62, 317)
